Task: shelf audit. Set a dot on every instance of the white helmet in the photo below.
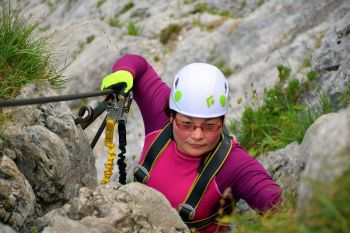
(199, 90)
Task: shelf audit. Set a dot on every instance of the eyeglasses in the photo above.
(189, 127)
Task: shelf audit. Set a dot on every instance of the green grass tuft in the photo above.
(24, 58)
(89, 39)
(133, 30)
(126, 7)
(280, 119)
(114, 22)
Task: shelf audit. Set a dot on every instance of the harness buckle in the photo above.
(141, 174)
(186, 211)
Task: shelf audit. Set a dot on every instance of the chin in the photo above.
(196, 152)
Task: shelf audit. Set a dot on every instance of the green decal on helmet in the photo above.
(210, 101)
(223, 101)
(177, 95)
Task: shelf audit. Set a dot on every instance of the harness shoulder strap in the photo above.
(141, 172)
(202, 181)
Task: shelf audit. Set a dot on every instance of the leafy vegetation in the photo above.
(126, 7)
(133, 30)
(23, 57)
(170, 32)
(89, 39)
(281, 118)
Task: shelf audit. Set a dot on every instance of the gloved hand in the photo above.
(120, 81)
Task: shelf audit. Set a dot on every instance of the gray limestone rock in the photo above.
(285, 166)
(51, 152)
(329, 155)
(113, 208)
(6, 229)
(17, 199)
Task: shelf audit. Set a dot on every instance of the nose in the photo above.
(197, 133)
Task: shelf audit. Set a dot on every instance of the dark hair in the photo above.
(169, 112)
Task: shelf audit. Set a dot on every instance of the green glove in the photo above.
(121, 81)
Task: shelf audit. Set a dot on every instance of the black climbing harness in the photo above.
(206, 174)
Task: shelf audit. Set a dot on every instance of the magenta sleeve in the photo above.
(150, 92)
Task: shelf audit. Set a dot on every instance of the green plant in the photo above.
(23, 57)
(89, 39)
(126, 7)
(208, 26)
(260, 2)
(280, 119)
(282, 219)
(327, 212)
(170, 32)
(34, 229)
(344, 98)
(312, 75)
(203, 7)
(329, 208)
(156, 58)
(242, 5)
(221, 64)
(188, 1)
(133, 30)
(100, 3)
(77, 51)
(306, 63)
(114, 22)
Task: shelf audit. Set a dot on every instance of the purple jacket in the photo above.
(242, 172)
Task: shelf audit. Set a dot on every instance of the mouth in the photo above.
(197, 146)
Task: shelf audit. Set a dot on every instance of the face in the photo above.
(196, 136)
